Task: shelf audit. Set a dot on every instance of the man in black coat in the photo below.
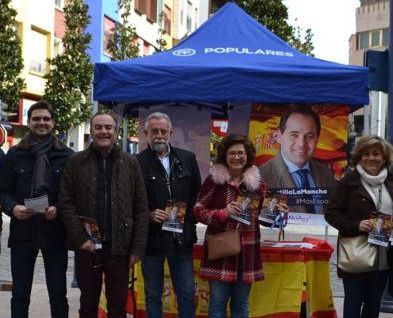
(171, 178)
(30, 170)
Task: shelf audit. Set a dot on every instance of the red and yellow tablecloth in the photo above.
(292, 275)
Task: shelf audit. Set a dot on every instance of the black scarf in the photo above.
(39, 148)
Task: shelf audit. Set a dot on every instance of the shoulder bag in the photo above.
(223, 244)
(356, 255)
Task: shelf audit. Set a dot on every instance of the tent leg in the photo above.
(125, 135)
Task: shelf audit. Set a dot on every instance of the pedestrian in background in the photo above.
(366, 189)
(104, 208)
(171, 177)
(33, 169)
(232, 175)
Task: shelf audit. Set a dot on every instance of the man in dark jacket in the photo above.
(32, 169)
(172, 179)
(102, 188)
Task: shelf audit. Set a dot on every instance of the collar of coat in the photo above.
(173, 153)
(24, 144)
(353, 179)
(251, 177)
(92, 152)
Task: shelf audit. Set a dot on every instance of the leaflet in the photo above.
(248, 203)
(91, 227)
(38, 204)
(274, 210)
(176, 212)
(381, 232)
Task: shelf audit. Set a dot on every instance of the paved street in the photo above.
(39, 307)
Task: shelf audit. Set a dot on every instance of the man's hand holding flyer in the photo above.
(176, 212)
(91, 227)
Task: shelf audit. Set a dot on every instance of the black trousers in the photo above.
(22, 268)
(363, 295)
(90, 269)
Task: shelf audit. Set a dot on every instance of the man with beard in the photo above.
(32, 169)
(171, 176)
(102, 187)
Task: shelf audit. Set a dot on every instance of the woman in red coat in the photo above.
(232, 178)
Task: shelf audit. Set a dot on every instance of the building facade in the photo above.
(40, 25)
(372, 33)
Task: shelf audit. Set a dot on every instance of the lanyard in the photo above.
(379, 197)
(379, 202)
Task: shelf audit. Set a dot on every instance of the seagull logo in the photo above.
(184, 52)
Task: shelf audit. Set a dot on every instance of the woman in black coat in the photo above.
(365, 191)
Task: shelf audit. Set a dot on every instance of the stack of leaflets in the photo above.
(381, 233)
(248, 203)
(176, 212)
(91, 227)
(270, 214)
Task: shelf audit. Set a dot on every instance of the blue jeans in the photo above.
(181, 269)
(22, 269)
(220, 292)
(363, 295)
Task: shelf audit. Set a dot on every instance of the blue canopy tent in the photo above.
(230, 58)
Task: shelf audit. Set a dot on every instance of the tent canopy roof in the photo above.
(230, 58)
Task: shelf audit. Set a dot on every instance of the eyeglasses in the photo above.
(44, 118)
(238, 154)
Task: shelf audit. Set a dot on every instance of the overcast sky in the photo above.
(332, 23)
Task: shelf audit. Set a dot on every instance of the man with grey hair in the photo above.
(172, 179)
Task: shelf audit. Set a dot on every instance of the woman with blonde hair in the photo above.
(365, 190)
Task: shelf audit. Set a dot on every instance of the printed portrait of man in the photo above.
(293, 167)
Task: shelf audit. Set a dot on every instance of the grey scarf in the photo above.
(41, 173)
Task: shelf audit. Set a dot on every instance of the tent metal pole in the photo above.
(125, 134)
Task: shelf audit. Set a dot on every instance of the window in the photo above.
(59, 3)
(109, 27)
(146, 48)
(372, 39)
(141, 5)
(148, 7)
(167, 20)
(196, 19)
(363, 40)
(38, 63)
(385, 37)
(58, 46)
(375, 38)
(189, 16)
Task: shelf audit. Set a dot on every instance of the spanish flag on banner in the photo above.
(293, 275)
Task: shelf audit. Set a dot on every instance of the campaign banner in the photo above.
(301, 151)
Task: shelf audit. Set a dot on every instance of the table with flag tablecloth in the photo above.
(295, 273)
